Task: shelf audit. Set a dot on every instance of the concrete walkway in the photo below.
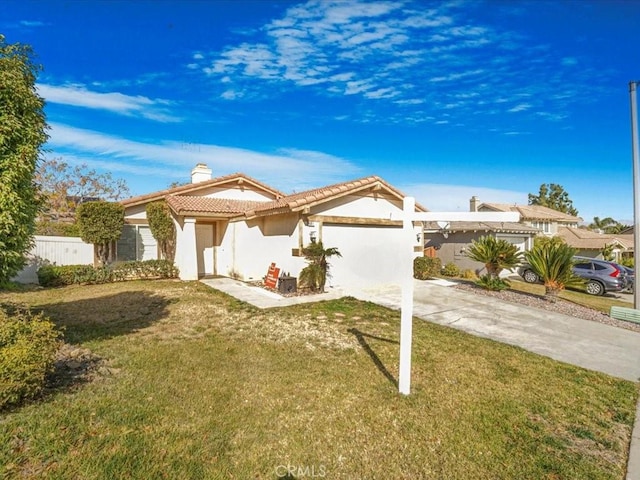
(584, 343)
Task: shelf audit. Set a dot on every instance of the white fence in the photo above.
(54, 250)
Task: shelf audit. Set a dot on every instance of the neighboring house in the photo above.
(545, 219)
(450, 244)
(590, 243)
(237, 226)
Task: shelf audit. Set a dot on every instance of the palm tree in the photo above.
(315, 274)
(553, 263)
(496, 255)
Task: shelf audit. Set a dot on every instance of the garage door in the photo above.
(370, 255)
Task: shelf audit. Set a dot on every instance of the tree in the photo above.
(162, 228)
(553, 263)
(607, 225)
(315, 274)
(496, 255)
(101, 223)
(65, 187)
(22, 134)
(553, 196)
(607, 252)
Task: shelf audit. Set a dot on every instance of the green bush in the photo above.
(28, 345)
(492, 283)
(425, 268)
(451, 270)
(627, 262)
(56, 276)
(469, 274)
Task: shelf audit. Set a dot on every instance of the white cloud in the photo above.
(455, 198)
(287, 169)
(398, 52)
(115, 102)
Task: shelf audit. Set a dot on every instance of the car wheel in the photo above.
(595, 288)
(530, 277)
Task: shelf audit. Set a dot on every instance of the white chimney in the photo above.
(473, 204)
(201, 173)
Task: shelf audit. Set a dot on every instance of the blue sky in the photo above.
(442, 99)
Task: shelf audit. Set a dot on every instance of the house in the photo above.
(450, 243)
(590, 243)
(545, 219)
(237, 226)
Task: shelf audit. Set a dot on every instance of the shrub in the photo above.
(469, 274)
(58, 275)
(627, 262)
(425, 268)
(451, 270)
(162, 228)
(28, 345)
(101, 223)
(492, 283)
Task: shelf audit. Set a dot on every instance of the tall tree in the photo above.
(22, 133)
(607, 225)
(553, 196)
(64, 187)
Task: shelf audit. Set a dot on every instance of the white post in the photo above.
(406, 313)
(636, 188)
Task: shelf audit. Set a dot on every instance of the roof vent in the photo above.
(201, 173)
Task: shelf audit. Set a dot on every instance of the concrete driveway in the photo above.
(585, 343)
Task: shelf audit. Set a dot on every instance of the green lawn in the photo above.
(195, 384)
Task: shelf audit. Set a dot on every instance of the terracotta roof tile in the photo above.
(582, 238)
(310, 197)
(224, 207)
(193, 187)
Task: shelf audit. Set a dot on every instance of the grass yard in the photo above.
(195, 384)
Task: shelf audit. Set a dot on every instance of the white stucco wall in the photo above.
(372, 206)
(237, 193)
(248, 249)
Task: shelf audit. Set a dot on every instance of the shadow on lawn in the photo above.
(360, 336)
(104, 317)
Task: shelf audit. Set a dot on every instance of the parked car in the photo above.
(631, 278)
(601, 276)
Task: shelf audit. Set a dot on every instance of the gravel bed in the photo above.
(561, 306)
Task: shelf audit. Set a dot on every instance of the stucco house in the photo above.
(450, 244)
(237, 226)
(590, 243)
(545, 219)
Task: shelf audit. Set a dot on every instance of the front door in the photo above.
(204, 247)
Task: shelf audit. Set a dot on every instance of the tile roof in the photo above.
(533, 212)
(194, 187)
(309, 198)
(582, 238)
(498, 227)
(205, 206)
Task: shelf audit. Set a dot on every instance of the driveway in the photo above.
(573, 340)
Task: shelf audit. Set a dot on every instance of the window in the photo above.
(544, 226)
(136, 243)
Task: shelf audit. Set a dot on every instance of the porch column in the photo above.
(186, 250)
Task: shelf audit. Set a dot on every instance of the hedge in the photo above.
(28, 346)
(59, 275)
(425, 268)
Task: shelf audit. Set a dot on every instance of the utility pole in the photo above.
(636, 189)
